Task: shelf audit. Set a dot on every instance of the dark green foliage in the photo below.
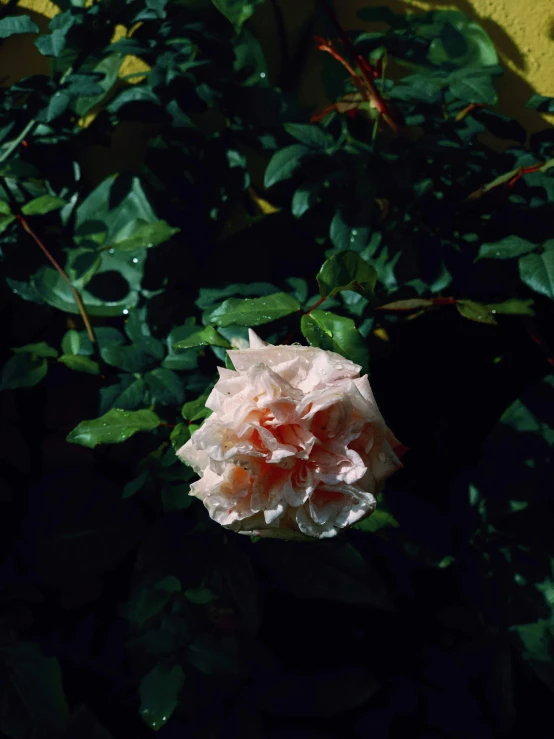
(417, 249)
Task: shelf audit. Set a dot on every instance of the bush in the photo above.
(407, 227)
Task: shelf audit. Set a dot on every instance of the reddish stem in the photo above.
(533, 332)
(316, 305)
(27, 228)
(365, 68)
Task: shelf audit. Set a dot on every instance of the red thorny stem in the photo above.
(367, 71)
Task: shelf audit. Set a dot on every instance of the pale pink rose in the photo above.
(296, 446)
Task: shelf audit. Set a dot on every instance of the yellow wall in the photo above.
(522, 30)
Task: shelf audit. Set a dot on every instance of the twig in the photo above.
(316, 305)
(533, 332)
(82, 310)
(15, 143)
(510, 178)
(27, 228)
(368, 73)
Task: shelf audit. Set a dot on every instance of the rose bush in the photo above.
(295, 444)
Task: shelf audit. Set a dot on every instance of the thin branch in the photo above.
(27, 228)
(316, 305)
(368, 73)
(533, 332)
(510, 178)
(82, 310)
(15, 143)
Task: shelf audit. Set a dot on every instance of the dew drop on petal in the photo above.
(135, 260)
(125, 311)
(111, 251)
(262, 75)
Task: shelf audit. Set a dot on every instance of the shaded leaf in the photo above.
(329, 570)
(475, 311)
(42, 349)
(38, 682)
(507, 248)
(80, 363)
(159, 693)
(23, 370)
(284, 163)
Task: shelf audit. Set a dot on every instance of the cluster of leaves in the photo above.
(409, 197)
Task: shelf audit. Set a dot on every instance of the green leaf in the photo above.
(308, 134)
(38, 682)
(409, 304)
(335, 333)
(537, 270)
(255, 311)
(304, 198)
(346, 271)
(513, 307)
(41, 205)
(17, 24)
(80, 363)
(159, 693)
(137, 329)
(211, 656)
(475, 311)
(5, 220)
(537, 643)
(128, 358)
(208, 336)
(329, 570)
(42, 349)
(71, 342)
(474, 87)
(146, 236)
(200, 596)
(379, 519)
(236, 11)
(165, 386)
(179, 436)
(344, 236)
(109, 68)
(176, 497)
(132, 488)
(195, 410)
(542, 103)
(113, 427)
(150, 601)
(51, 286)
(23, 370)
(507, 248)
(284, 163)
(127, 394)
